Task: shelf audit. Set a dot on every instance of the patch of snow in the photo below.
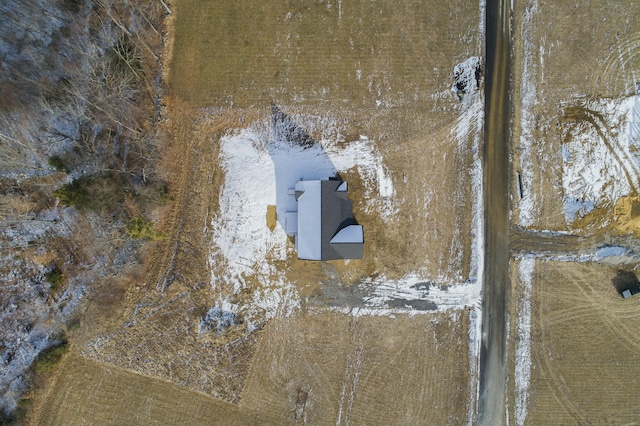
(385, 183)
(476, 272)
(279, 299)
(610, 251)
(634, 123)
(219, 317)
(522, 373)
(611, 255)
(54, 221)
(599, 161)
(12, 383)
(566, 154)
(413, 287)
(469, 125)
(528, 97)
(465, 77)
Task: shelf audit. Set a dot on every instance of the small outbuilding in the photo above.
(631, 291)
(324, 227)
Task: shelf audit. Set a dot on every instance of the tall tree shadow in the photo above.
(286, 129)
(296, 156)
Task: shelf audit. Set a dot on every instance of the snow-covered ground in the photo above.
(259, 172)
(600, 161)
(528, 94)
(260, 167)
(600, 156)
(414, 288)
(523, 343)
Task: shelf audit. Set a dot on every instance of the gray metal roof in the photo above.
(320, 220)
(337, 213)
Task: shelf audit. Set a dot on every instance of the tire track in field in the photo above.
(607, 313)
(351, 375)
(560, 392)
(618, 67)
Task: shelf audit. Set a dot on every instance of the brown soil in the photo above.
(584, 345)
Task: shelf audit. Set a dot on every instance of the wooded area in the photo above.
(80, 94)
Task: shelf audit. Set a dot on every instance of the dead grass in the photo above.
(252, 54)
(385, 70)
(368, 370)
(317, 369)
(590, 53)
(86, 392)
(584, 347)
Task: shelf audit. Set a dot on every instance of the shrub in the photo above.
(139, 228)
(74, 194)
(98, 192)
(50, 358)
(54, 278)
(57, 163)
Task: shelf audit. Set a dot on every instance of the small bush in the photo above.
(19, 416)
(164, 194)
(57, 163)
(74, 194)
(50, 358)
(54, 278)
(99, 192)
(72, 6)
(140, 228)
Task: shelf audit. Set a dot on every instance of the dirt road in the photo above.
(522, 241)
(491, 403)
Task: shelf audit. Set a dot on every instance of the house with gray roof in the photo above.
(324, 227)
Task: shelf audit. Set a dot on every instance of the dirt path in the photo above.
(554, 243)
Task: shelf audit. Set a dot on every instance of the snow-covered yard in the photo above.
(260, 165)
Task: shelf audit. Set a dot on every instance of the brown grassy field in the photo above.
(584, 346)
(342, 55)
(335, 369)
(317, 369)
(385, 71)
(86, 392)
(381, 69)
(590, 53)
